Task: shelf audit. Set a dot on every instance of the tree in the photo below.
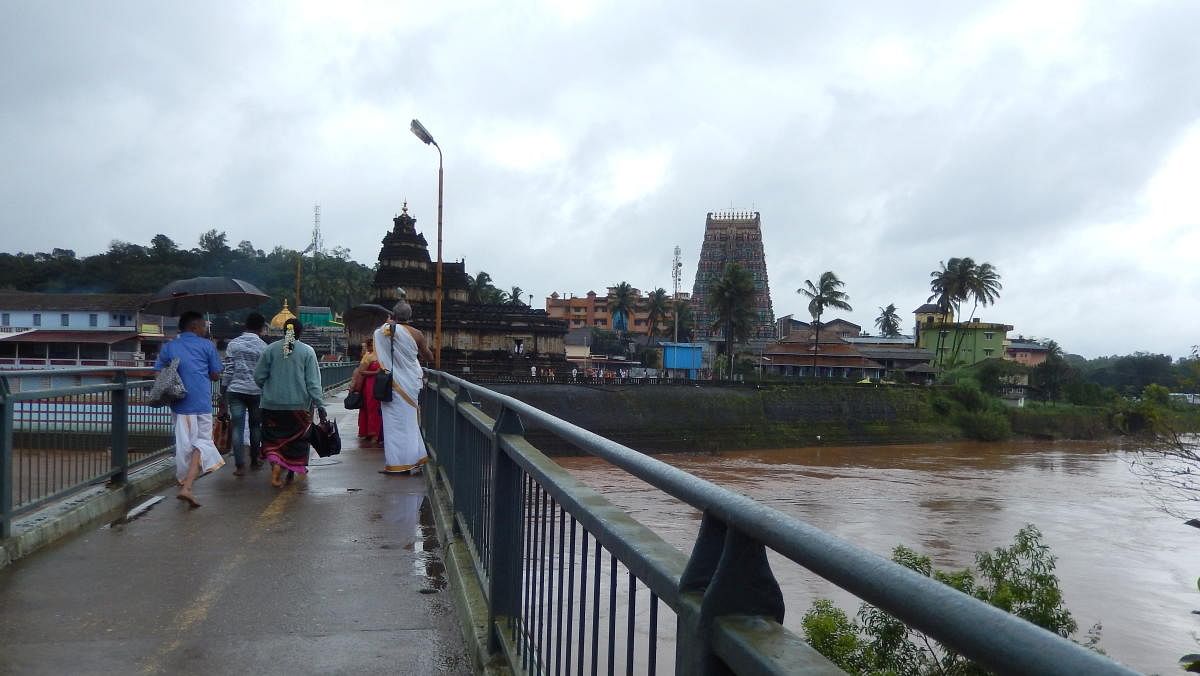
(476, 286)
(684, 319)
(657, 306)
(826, 293)
(514, 296)
(959, 280)
(621, 306)
(1018, 579)
(731, 299)
(888, 322)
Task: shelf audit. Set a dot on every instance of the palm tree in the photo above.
(657, 305)
(477, 287)
(826, 293)
(888, 322)
(731, 299)
(949, 287)
(514, 296)
(621, 305)
(685, 320)
(979, 283)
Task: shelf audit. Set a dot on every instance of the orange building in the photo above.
(591, 311)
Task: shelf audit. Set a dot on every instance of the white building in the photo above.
(58, 330)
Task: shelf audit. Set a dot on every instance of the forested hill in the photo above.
(326, 278)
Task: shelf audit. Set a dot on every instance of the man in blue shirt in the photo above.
(199, 365)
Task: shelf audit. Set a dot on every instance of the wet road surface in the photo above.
(336, 573)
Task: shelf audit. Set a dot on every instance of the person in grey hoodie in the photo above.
(242, 394)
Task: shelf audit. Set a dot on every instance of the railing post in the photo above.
(6, 453)
(506, 528)
(120, 429)
(732, 571)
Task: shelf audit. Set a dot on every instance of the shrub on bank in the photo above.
(984, 425)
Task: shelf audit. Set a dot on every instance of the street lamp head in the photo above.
(422, 133)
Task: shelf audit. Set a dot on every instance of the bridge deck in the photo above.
(339, 572)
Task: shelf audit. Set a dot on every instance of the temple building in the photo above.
(476, 339)
(732, 237)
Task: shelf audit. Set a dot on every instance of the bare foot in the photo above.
(188, 498)
(276, 478)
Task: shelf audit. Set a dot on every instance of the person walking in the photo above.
(242, 394)
(290, 380)
(370, 421)
(399, 348)
(199, 366)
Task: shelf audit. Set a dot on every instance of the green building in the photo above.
(962, 343)
(314, 317)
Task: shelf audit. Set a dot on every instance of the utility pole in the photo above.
(676, 273)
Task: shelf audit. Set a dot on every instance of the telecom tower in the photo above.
(318, 245)
(676, 276)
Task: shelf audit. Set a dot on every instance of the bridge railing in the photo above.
(57, 441)
(573, 583)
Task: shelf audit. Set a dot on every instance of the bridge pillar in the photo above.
(120, 430)
(731, 570)
(506, 530)
(6, 451)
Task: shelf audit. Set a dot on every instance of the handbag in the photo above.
(325, 438)
(168, 386)
(354, 400)
(222, 433)
(383, 379)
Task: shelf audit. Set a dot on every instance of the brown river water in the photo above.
(1122, 562)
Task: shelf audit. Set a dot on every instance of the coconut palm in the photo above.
(979, 283)
(732, 301)
(949, 287)
(888, 322)
(514, 296)
(826, 293)
(478, 286)
(621, 304)
(684, 319)
(657, 306)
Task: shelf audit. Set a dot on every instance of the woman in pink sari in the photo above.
(370, 419)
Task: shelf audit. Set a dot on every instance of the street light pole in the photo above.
(420, 132)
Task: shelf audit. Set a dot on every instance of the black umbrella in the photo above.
(204, 294)
(362, 320)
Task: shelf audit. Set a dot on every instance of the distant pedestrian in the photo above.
(370, 421)
(400, 349)
(290, 380)
(574, 373)
(533, 372)
(199, 365)
(242, 394)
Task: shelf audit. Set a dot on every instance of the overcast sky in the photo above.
(584, 140)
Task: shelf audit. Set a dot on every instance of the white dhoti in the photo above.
(403, 446)
(194, 432)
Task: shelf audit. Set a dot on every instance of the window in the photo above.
(5, 320)
(37, 319)
(988, 335)
(944, 333)
(987, 351)
(93, 320)
(601, 322)
(64, 319)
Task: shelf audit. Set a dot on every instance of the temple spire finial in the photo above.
(404, 209)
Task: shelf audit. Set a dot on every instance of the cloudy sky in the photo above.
(584, 140)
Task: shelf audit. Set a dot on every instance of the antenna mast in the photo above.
(676, 274)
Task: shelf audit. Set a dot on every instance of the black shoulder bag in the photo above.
(383, 379)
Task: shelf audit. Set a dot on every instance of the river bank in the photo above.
(683, 418)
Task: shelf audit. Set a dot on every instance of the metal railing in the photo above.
(57, 441)
(336, 374)
(566, 573)
(54, 442)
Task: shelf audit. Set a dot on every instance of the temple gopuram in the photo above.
(477, 340)
(733, 237)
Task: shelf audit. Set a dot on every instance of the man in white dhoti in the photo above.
(400, 349)
(199, 365)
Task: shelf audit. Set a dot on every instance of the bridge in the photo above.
(497, 560)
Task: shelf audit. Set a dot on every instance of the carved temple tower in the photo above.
(732, 237)
(476, 339)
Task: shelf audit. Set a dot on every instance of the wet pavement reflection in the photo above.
(1122, 563)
